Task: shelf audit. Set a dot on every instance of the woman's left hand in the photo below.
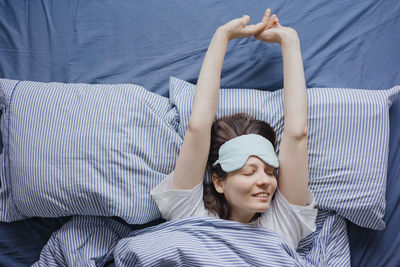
(238, 28)
(274, 32)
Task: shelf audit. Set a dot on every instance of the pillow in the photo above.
(348, 141)
(84, 149)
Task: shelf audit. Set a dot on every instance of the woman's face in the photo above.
(249, 189)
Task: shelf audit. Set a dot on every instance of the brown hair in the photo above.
(223, 130)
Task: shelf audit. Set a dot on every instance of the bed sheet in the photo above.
(21, 242)
(344, 44)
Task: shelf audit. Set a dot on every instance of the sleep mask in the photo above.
(234, 153)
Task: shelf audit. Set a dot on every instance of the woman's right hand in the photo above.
(238, 28)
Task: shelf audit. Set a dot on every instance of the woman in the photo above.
(240, 150)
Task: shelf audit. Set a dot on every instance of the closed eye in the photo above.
(248, 171)
(269, 172)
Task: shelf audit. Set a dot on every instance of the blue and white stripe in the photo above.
(7, 207)
(92, 241)
(197, 241)
(348, 141)
(83, 241)
(329, 244)
(84, 149)
(59, 159)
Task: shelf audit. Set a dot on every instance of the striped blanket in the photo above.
(193, 241)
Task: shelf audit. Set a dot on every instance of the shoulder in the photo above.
(290, 221)
(282, 205)
(178, 204)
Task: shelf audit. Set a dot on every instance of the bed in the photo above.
(345, 44)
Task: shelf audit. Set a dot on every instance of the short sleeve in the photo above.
(290, 221)
(178, 204)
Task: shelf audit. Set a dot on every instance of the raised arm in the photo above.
(293, 156)
(192, 159)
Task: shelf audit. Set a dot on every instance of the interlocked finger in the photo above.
(267, 18)
(275, 20)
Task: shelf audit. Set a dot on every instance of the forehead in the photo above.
(256, 162)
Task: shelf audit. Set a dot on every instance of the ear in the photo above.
(217, 184)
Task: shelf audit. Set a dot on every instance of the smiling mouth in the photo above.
(263, 195)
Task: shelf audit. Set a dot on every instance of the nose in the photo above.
(263, 179)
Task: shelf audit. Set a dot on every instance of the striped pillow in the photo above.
(84, 149)
(347, 142)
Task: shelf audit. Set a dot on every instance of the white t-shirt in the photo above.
(291, 222)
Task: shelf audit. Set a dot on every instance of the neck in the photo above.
(243, 218)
